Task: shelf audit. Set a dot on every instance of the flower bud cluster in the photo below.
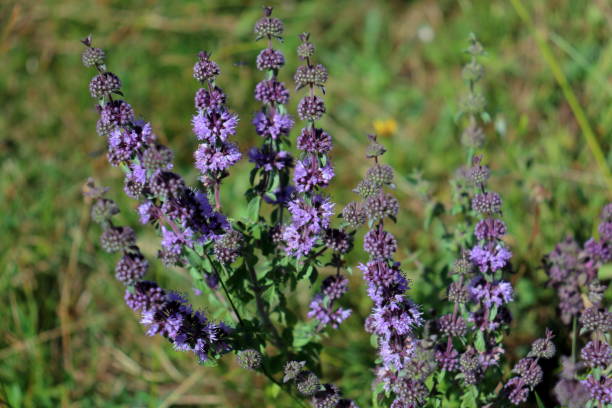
(529, 371)
(572, 269)
(308, 384)
(473, 103)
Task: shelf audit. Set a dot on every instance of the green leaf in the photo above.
(253, 208)
(493, 312)
(605, 272)
(538, 400)
(378, 389)
(429, 382)
(374, 341)
(303, 332)
(211, 362)
(468, 400)
(433, 210)
(272, 390)
(480, 342)
(441, 381)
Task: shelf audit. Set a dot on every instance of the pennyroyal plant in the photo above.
(446, 352)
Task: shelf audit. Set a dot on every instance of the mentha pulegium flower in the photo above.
(104, 84)
(379, 244)
(310, 175)
(596, 353)
(594, 319)
(599, 389)
(490, 258)
(115, 239)
(131, 268)
(205, 69)
(270, 59)
(381, 205)
(227, 248)
(271, 91)
(273, 126)
(209, 99)
(487, 203)
(214, 124)
(314, 140)
(268, 26)
(249, 359)
(544, 347)
(311, 108)
(307, 383)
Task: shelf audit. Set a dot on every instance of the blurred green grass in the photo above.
(68, 340)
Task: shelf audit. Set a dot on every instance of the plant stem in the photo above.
(227, 295)
(275, 381)
(574, 335)
(261, 310)
(217, 196)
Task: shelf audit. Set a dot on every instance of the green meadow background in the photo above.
(66, 337)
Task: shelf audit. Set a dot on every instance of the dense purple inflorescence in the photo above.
(164, 313)
(394, 317)
(313, 171)
(213, 125)
(529, 373)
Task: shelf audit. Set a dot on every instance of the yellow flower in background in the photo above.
(385, 127)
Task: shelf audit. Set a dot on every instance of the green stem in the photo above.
(227, 295)
(261, 310)
(574, 336)
(282, 387)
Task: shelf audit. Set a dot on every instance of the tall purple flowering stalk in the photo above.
(272, 161)
(529, 373)
(469, 337)
(309, 233)
(478, 293)
(184, 216)
(162, 312)
(213, 124)
(310, 210)
(573, 272)
(394, 317)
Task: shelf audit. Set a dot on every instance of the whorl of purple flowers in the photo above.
(168, 314)
(572, 268)
(322, 306)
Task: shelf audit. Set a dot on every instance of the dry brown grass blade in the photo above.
(181, 389)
